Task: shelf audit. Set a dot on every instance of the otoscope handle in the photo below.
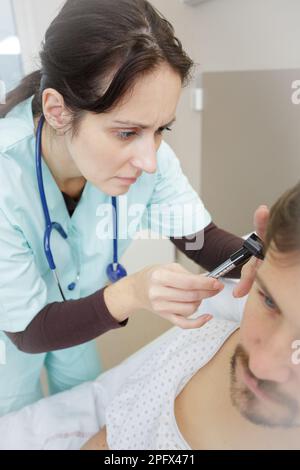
(253, 246)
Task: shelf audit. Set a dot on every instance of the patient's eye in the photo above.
(124, 135)
(268, 301)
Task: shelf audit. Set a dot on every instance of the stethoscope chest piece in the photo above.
(116, 272)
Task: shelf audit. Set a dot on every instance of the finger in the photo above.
(183, 309)
(261, 218)
(186, 281)
(247, 278)
(189, 323)
(243, 288)
(177, 308)
(179, 295)
(176, 267)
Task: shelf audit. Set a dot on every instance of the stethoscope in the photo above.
(115, 271)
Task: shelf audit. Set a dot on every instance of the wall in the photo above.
(228, 35)
(32, 19)
(10, 63)
(251, 143)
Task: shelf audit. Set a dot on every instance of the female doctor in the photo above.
(76, 136)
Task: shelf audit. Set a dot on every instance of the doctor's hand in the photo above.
(261, 218)
(169, 291)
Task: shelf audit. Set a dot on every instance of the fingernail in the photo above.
(217, 285)
(207, 317)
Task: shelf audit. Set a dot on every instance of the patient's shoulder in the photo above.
(98, 442)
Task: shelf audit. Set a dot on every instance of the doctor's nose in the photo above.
(145, 158)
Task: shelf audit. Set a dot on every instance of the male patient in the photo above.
(225, 386)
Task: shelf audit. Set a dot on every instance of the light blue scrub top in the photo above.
(26, 282)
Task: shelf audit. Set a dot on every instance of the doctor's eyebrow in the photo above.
(140, 125)
(262, 285)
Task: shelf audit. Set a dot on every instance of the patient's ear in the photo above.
(98, 442)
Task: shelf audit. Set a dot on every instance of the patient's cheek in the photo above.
(251, 325)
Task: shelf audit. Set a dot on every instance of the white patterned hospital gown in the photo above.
(141, 416)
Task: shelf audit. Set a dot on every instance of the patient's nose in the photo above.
(271, 363)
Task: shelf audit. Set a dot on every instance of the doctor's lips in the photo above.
(127, 181)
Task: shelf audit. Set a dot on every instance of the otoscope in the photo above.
(253, 246)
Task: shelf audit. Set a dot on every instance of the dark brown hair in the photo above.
(284, 225)
(95, 50)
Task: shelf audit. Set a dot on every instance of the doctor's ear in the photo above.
(55, 111)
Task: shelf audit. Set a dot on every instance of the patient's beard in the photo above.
(281, 413)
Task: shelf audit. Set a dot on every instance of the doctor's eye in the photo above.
(126, 135)
(162, 129)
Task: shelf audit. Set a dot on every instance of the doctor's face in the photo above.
(113, 149)
(266, 365)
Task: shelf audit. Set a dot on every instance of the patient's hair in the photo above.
(284, 225)
(94, 52)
